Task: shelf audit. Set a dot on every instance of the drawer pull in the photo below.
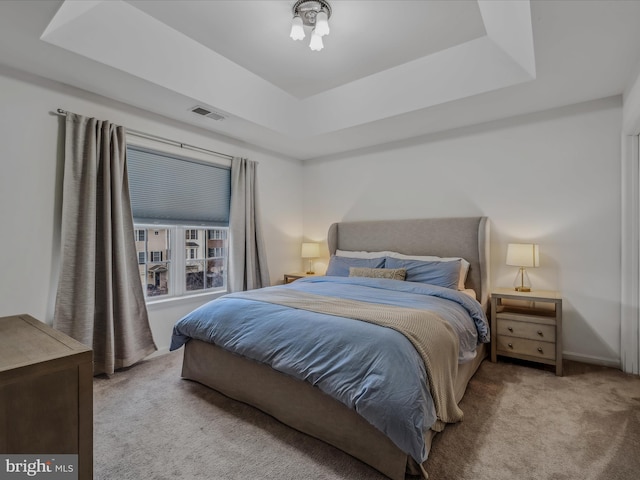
(510, 329)
(510, 345)
(540, 333)
(540, 349)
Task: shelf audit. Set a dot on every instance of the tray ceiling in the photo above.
(389, 70)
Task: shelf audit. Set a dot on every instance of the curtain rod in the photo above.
(168, 141)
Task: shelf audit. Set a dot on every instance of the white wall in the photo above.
(552, 178)
(30, 192)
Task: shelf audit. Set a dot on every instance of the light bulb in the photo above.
(297, 31)
(322, 24)
(316, 42)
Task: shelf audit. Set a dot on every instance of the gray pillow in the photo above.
(339, 266)
(392, 273)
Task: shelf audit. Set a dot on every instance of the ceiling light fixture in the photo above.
(312, 13)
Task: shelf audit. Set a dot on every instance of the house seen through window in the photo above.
(201, 267)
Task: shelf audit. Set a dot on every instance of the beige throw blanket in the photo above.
(432, 337)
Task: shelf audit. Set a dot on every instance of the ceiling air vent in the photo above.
(208, 113)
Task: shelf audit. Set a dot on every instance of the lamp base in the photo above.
(522, 282)
(310, 269)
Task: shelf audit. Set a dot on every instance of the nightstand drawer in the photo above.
(522, 346)
(534, 331)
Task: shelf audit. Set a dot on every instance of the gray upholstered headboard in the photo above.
(466, 237)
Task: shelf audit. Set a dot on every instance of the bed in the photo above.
(302, 403)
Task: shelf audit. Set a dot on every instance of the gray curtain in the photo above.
(247, 258)
(100, 301)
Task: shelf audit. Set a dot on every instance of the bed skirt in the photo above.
(306, 408)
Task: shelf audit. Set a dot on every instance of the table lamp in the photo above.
(310, 251)
(523, 255)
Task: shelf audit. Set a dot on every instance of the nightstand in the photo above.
(527, 325)
(290, 277)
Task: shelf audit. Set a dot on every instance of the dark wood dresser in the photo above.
(46, 392)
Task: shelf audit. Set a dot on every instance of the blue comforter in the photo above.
(371, 369)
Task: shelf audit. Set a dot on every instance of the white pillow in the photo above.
(464, 265)
(354, 254)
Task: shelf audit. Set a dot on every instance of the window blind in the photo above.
(170, 190)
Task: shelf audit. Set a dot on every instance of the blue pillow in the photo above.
(443, 274)
(339, 266)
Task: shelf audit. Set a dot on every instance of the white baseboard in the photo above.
(579, 357)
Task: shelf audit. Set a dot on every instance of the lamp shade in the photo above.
(316, 42)
(523, 255)
(310, 250)
(297, 30)
(322, 24)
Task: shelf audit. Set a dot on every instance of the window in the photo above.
(203, 268)
(155, 274)
(179, 205)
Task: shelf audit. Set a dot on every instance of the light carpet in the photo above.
(520, 423)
